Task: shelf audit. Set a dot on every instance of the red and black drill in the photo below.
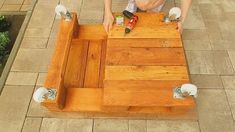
(132, 22)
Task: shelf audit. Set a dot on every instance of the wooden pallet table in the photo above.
(116, 73)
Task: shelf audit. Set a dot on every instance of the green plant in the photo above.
(4, 41)
(4, 24)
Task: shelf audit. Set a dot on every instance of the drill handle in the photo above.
(128, 14)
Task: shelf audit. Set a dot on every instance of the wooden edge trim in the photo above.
(68, 30)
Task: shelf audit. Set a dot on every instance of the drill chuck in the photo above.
(127, 30)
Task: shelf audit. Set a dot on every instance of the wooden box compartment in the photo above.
(134, 74)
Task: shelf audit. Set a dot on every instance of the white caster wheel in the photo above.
(60, 9)
(190, 89)
(184, 91)
(175, 11)
(41, 94)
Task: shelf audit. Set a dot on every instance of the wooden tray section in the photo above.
(117, 73)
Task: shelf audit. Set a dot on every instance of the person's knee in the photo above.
(143, 4)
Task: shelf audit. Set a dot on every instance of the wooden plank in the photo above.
(92, 32)
(153, 84)
(58, 63)
(146, 56)
(75, 69)
(93, 64)
(143, 97)
(148, 19)
(90, 100)
(146, 73)
(145, 32)
(138, 42)
(149, 25)
(83, 100)
(180, 112)
(102, 63)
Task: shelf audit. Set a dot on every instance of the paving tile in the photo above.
(209, 1)
(92, 10)
(231, 99)
(73, 5)
(21, 78)
(207, 81)
(168, 5)
(93, 15)
(32, 124)
(48, 3)
(28, 2)
(137, 126)
(42, 17)
(194, 2)
(92, 4)
(227, 27)
(66, 125)
(194, 19)
(55, 28)
(172, 126)
(213, 30)
(228, 21)
(222, 63)
(110, 125)
(232, 57)
(90, 21)
(197, 44)
(37, 32)
(13, 2)
(209, 62)
(228, 5)
(41, 79)
(214, 112)
(14, 102)
(26, 8)
(200, 62)
(10, 7)
(36, 110)
(32, 60)
(34, 43)
(51, 43)
(119, 5)
(228, 34)
(211, 11)
(195, 34)
(228, 82)
(222, 45)
(1, 2)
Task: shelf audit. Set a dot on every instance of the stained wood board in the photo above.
(142, 68)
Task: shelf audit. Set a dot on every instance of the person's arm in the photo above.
(185, 5)
(108, 16)
(108, 6)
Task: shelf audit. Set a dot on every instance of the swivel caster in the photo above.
(173, 15)
(62, 11)
(41, 94)
(184, 91)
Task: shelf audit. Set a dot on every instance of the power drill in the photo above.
(133, 20)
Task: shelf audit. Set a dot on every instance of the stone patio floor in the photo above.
(209, 35)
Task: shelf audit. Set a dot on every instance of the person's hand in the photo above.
(108, 21)
(180, 27)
